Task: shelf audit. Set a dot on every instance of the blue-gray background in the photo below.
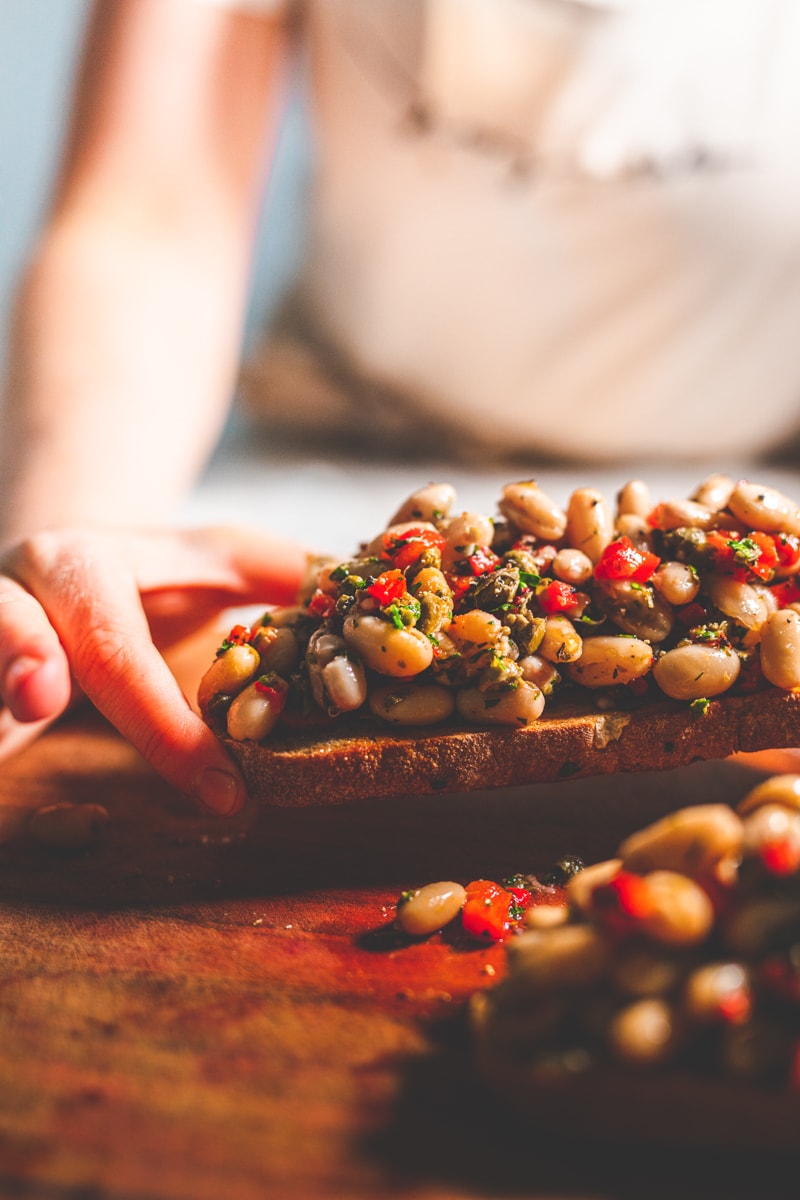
(39, 41)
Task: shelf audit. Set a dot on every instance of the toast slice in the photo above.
(361, 760)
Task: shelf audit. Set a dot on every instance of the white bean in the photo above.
(572, 566)
(680, 912)
(780, 648)
(345, 683)
(255, 711)
(634, 499)
(710, 988)
(714, 492)
(228, 674)
(776, 789)
(764, 508)
(401, 653)
(278, 648)
(692, 841)
(590, 526)
(413, 703)
(561, 642)
(676, 582)
(429, 503)
(520, 705)
(696, 670)
(532, 510)
(539, 671)
(463, 536)
(677, 514)
(428, 909)
(476, 635)
(737, 599)
(609, 660)
(643, 1032)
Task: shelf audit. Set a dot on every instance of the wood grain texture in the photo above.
(193, 1009)
(361, 759)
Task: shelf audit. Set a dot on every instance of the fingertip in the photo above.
(219, 790)
(36, 689)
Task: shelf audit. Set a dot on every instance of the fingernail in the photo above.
(219, 790)
(20, 669)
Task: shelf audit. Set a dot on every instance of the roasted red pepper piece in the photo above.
(322, 605)
(622, 902)
(622, 560)
(404, 549)
(486, 912)
(388, 588)
(557, 597)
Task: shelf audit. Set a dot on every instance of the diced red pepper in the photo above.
(482, 561)
(690, 615)
(787, 548)
(557, 597)
(485, 914)
(622, 902)
(622, 560)
(239, 635)
(272, 687)
(322, 605)
(404, 549)
(388, 588)
(786, 593)
(780, 857)
(735, 1008)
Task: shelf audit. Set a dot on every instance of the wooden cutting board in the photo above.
(203, 1009)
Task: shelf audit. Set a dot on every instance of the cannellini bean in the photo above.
(476, 635)
(67, 826)
(255, 711)
(429, 503)
(711, 990)
(738, 600)
(637, 610)
(680, 912)
(643, 1032)
(519, 705)
(572, 566)
(412, 703)
(581, 885)
(770, 824)
(780, 648)
(429, 908)
(764, 508)
(696, 670)
(777, 789)
(463, 535)
(546, 916)
(608, 660)
(634, 499)
(676, 582)
(401, 653)
(561, 642)
(641, 969)
(692, 841)
(568, 955)
(539, 671)
(675, 514)
(714, 492)
(228, 674)
(636, 528)
(590, 526)
(531, 510)
(287, 616)
(345, 684)
(278, 648)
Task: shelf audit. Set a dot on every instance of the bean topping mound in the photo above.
(682, 951)
(458, 615)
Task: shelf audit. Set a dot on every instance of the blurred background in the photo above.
(39, 45)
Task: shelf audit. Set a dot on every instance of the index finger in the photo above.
(89, 592)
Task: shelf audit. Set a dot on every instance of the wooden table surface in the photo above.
(204, 1009)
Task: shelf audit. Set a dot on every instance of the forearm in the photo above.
(123, 360)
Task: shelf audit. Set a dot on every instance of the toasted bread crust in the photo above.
(360, 759)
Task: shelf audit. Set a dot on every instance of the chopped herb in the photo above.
(699, 707)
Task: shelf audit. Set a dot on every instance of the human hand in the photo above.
(90, 612)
